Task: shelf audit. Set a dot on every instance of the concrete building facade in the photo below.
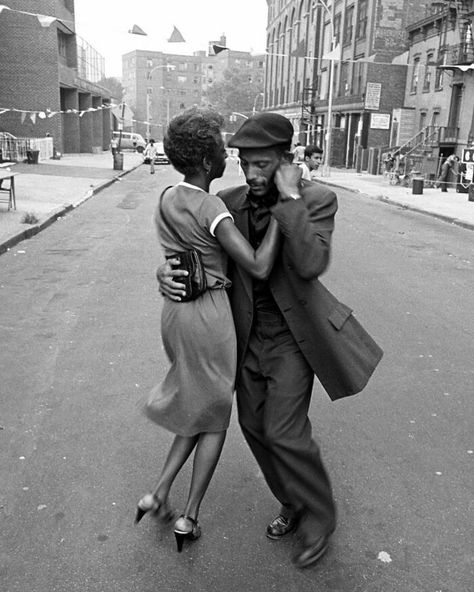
(48, 78)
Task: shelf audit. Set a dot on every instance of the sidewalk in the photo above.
(51, 188)
(451, 206)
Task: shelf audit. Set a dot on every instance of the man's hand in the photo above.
(287, 180)
(165, 276)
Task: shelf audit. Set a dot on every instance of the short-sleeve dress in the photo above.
(198, 336)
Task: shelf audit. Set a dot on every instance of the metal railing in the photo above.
(16, 149)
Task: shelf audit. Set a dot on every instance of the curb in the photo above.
(390, 201)
(60, 212)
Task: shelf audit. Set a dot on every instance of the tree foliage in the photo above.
(237, 92)
(114, 86)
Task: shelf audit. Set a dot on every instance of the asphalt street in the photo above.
(81, 346)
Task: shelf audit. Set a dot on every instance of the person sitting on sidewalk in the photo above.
(313, 156)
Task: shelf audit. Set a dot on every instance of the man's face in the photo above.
(314, 160)
(259, 166)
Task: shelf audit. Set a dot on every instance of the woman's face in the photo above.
(219, 161)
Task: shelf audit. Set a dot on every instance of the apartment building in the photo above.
(365, 84)
(438, 114)
(159, 85)
(49, 76)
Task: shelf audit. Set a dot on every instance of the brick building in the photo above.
(366, 35)
(46, 69)
(159, 85)
(437, 118)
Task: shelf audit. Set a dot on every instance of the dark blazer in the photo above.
(339, 350)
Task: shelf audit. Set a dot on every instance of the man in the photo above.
(288, 329)
(313, 157)
(443, 179)
(150, 155)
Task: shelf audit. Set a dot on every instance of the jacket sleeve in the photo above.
(307, 225)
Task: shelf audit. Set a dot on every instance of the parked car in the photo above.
(130, 141)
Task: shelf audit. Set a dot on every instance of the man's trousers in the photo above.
(273, 394)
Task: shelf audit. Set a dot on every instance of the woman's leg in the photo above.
(179, 453)
(208, 451)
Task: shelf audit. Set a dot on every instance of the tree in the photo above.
(237, 91)
(114, 86)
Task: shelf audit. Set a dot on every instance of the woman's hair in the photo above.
(191, 136)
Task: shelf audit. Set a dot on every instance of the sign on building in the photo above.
(380, 121)
(468, 155)
(372, 95)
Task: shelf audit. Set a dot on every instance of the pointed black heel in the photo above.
(186, 528)
(151, 503)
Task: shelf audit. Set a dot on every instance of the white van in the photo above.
(130, 141)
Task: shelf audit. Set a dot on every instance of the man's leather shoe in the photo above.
(312, 553)
(280, 526)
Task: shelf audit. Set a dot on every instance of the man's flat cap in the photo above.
(263, 131)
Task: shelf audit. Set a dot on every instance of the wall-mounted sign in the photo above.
(380, 121)
(468, 155)
(372, 95)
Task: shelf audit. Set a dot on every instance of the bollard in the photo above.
(118, 161)
(417, 186)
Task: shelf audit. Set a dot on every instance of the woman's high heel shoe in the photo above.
(151, 503)
(186, 528)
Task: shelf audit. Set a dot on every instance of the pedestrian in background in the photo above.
(194, 401)
(298, 153)
(313, 157)
(446, 169)
(150, 155)
(113, 146)
(289, 328)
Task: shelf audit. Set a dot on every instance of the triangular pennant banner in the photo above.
(33, 117)
(45, 21)
(176, 37)
(23, 116)
(218, 48)
(136, 30)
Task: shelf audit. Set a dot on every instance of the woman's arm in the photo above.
(258, 263)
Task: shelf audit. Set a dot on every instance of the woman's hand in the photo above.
(165, 276)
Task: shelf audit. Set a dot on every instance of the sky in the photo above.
(104, 24)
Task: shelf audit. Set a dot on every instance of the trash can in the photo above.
(417, 186)
(118, 161)
(32, 156)
(470, 197)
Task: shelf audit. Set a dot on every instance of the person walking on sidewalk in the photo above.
(150, 155)
(194, 401)
(289, 328)
(446, 169)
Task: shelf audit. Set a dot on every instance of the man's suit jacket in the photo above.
(339, 350)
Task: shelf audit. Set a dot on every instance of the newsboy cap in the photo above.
(263, 130)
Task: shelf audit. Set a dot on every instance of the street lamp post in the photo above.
(327, 152)
(255, 102)
(168, 67)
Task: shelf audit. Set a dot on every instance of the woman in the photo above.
(194, 401)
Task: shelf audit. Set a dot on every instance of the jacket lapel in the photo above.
(239, 210)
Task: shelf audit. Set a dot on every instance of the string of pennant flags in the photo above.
(48, 113)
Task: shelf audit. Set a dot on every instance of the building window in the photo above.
(361, 20)
(415, 76)
(149, 63)
(348, 28)
(439, 71)
(344, 91)
(337, 28)
(182, 79)
(62, 45)
(427, 77)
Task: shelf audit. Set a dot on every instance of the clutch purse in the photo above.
(195, 282)
(190, 260)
